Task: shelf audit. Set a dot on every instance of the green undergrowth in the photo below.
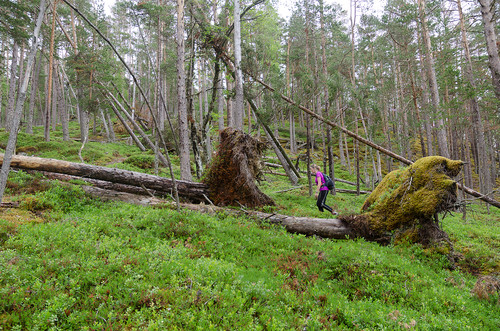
(85, 264)
(68, 261)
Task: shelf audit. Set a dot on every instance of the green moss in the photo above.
(414, 194)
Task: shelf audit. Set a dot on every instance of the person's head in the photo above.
(314, 168)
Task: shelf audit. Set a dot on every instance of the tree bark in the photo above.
(190, 190)
(33, 95)
(11, 100)
(51, 70)
(487, 11)
(16, 118)
(238, 99)
(181, 97)
(475, 113)
(431, 73)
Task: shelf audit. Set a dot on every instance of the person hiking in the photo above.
(322, 190)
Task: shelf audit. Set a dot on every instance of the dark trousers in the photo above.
(321, 201)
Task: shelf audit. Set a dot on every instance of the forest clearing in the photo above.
(158, 165)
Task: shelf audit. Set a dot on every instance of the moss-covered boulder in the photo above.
(405, 203)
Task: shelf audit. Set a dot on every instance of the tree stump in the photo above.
(234, 170)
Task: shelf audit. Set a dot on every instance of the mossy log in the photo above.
(404, 206)
(234, 170)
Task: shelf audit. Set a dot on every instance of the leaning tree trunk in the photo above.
(16, 116)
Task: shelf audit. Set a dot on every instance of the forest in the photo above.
(156, 164)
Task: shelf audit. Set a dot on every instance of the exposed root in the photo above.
(406, 202)
(234, 170)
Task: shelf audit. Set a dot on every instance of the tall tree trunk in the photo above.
(33, 95)
(63, 106)
(291, 120)
(342, 154)
(51, 70)
(431, 73)
(111, 128)
(181, 97)
(425, 103)
(16, 118)
(55, 98)
(11, 100)
(475, 113)
(238, 99)
(206, 121)
(487, 11)
(220, 96)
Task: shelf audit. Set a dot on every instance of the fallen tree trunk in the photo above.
(322, 227)
(102, 184)
(195, 192)
(110, 195)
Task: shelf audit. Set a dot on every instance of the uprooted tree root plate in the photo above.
(232, 174)
(404, 206)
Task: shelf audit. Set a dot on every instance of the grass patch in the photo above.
(125, 266)
(68, 261)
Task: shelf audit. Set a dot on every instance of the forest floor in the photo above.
(70, 261)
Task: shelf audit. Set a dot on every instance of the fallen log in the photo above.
(321, 227)
(110, 195)
(102, 184)
(341, 190)
(192, 191)
(11, 204)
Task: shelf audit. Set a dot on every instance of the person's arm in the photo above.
(320, 183)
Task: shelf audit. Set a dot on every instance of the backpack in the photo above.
(328, 182)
